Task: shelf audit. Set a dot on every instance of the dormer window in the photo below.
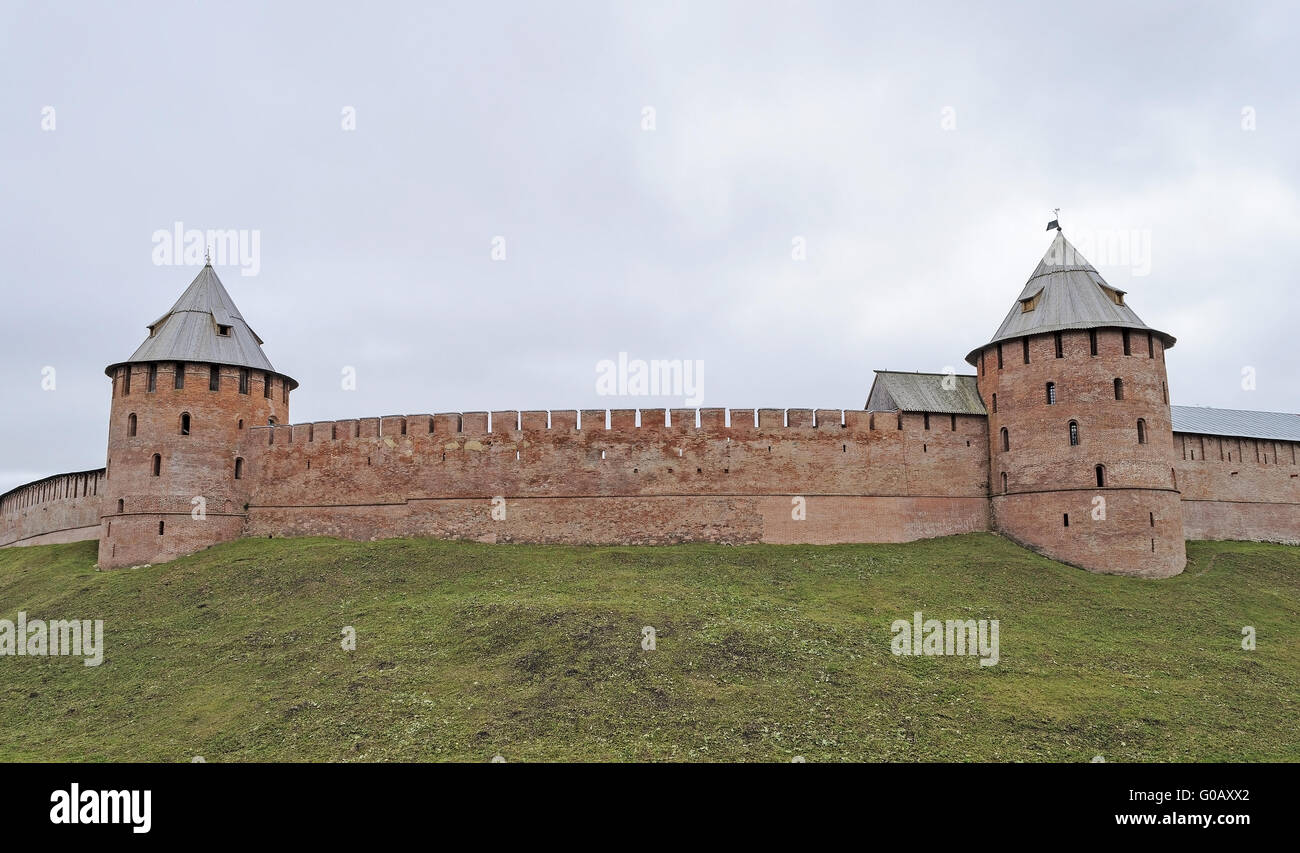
(223, 331)
(1116, 296)
(1030, 303)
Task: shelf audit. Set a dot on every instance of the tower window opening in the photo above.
(1151, 346)
(1101, 475)
(1164, 392)
(999, 356)
(1066, 519)
(266, 385)
(162, 525)
(1004, 482)
(1153, 546)
(1006, 440)
(121, 506)
(157, 465)
(995, 404)
(954, 423)
(1142, 431)
(403, 426)
(1051, 393)
(153, 378)
(130, 425)
(900, 420)
(1151, 516)
(224, 331)
(178, 381)
(243, 380)
(1128, 348)
(927, 420)
(239, 468)
(126, 380)
(1074, 433)
(214, 378)
(1092, 341)
(1026, 342)
(185, 423)
(1119, 389)
(1060, 350)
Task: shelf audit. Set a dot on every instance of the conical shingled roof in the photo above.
(1066, 292)
(193, 330)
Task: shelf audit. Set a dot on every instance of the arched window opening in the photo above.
(1074, 433)
(1004, 482)
(130, 425)
(1119, 389)
(161, 526)
(1006, 440)
(157, 465)
(1101, 475)
(1051, 393)
(1142, 431)
(185, 423)
(239, 468)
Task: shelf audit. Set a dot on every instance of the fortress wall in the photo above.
(566, 476)
(58, 509)
(1238, 488)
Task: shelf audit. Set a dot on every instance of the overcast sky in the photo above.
(654, 173)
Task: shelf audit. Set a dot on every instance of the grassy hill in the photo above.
(466, 651)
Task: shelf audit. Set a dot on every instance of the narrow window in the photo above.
(1006, 440)
(1004, 482)
(1060, 351)
(284, 393)
(178, 381)
(334, 432)
(1151, 346)
(1142, 431)
(214, 378)
(1119, 389)
(126, 380)
(954, 423)
(266, 385)
(995, 404)
(185, 423)
(239, 468)
(1092, 341)
(900, 420)
(1152, 517)
(243, 380)
(1101, 475)
(130, 425)
(153, 378)
(239, 424)
(999, 356)
(121, 506)
(403, 426)
(1128, 350)
(1066, 518)
(981, 364)
(1026, 350)
(1164, 392)
(927, 420)
(157, 464)
(1051, 393)
(1074, 433)
(161, 527)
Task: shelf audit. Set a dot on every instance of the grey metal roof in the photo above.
(1070, 296)
(188, 332)
(1277, 426)
(924, 392)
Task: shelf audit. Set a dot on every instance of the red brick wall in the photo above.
(1047, 477)
(1239, 488)
(650, 483)
(59, 509)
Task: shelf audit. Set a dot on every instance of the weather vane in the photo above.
(1056, 219)
(207, 255)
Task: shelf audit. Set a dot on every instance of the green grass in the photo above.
(466, 651)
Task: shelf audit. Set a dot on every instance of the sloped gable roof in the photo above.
(1238, 423)
(925, 392)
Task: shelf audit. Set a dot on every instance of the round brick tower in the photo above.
(183, 407)
(1080, 439)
